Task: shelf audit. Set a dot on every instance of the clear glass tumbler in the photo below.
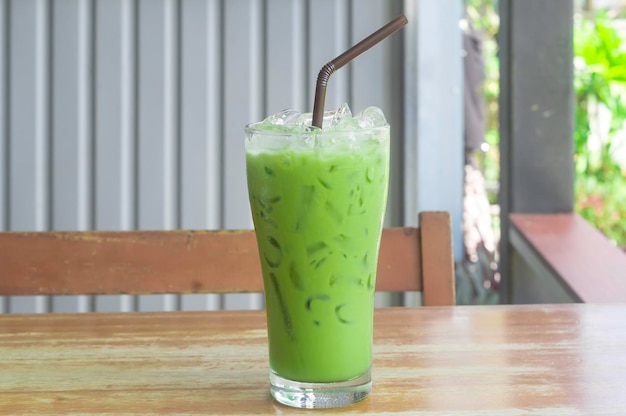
(318, 200)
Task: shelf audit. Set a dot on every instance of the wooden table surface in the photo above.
(492, 360)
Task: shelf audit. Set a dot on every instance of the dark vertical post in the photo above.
(536, 114)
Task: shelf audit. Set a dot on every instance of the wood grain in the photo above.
(583, 259)
(150, 262)
(458, 361)
(437, 259)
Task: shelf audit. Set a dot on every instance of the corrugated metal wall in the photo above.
(129, 114)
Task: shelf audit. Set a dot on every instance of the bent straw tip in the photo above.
(328, 69)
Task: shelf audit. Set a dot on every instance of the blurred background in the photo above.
(129, 114)
(599, 79)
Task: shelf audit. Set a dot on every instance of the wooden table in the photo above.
(495, 360)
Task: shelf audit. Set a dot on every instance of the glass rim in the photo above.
(253, 128)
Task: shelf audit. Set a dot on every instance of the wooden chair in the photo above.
(154, 262)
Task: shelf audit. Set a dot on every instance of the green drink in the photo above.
(318, 199)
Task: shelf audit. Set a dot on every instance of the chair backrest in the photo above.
(153, 262)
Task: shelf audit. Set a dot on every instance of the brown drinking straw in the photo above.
(328, 69)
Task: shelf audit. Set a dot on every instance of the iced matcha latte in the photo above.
(318, 198)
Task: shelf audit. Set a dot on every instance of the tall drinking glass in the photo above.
(318, 198)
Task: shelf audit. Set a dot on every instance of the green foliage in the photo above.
(483, 15)
(600, 87)
(603, 203)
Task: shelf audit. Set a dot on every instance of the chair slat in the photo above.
(182, 262)
(132, 262)
(437, 259)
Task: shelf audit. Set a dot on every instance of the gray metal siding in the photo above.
(29, 125)
(129, 114)
(4, 127)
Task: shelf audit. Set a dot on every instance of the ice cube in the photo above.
(305, 119)
(339, 116)
(285, 117)
(295, 276)
(273, 256)
(371, 117)
(331, 118)
(266, 142)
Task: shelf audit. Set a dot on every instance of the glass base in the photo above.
(320, 395)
